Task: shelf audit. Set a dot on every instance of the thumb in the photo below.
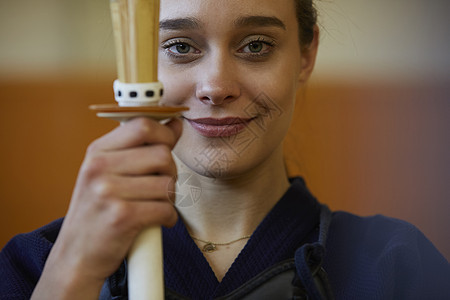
(177, 127)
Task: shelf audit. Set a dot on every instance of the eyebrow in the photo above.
(260, 21)
(179, 23)
(194, 23)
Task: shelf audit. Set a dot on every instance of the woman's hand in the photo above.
(122, 187)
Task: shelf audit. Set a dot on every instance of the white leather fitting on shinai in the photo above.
(137, 94)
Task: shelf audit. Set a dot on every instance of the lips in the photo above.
(211, 127)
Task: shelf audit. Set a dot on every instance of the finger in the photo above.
(177, 127)
(155, 213)
(155, 159)
(136, 188)
(142, 214)
(136, 132)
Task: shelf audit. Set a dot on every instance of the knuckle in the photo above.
(163, 213)
(94, 165)
(143, 126)
(160, 188)
(169, 215)
(104, 188)
(170, 189)
(93, 147)
(171, 137)
(120, 215)
(161, 161)
(164, 155)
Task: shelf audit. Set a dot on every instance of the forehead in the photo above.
(220, 14)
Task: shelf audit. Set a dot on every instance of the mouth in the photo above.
(224, 127)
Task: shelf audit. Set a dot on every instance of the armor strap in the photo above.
(309, 260)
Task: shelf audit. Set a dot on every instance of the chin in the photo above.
(224, 166)
(217, 170)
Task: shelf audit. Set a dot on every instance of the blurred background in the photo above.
(371, 132)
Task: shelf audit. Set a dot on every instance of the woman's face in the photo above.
(236, 64)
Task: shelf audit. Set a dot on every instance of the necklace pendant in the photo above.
(209, 247)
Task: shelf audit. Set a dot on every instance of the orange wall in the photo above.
(45, 127)
(378, 148)
(364, 148)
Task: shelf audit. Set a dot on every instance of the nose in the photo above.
(218, 80)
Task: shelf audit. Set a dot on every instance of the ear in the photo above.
(309, 57)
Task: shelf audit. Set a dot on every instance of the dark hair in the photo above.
(307, 18)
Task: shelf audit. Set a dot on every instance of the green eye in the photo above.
(255, 47)
(183, 48)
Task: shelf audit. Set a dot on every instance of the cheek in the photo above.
(277, 80)
(280, 96)
(277, 87)
(177, 86)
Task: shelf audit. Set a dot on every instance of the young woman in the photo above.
(239, 227)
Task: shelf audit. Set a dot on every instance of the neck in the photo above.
(223, 209)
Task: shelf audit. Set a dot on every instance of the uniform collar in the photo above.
(292, 222)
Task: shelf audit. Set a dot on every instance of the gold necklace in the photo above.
(212, 246)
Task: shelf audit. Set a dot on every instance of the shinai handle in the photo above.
(136, 28)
